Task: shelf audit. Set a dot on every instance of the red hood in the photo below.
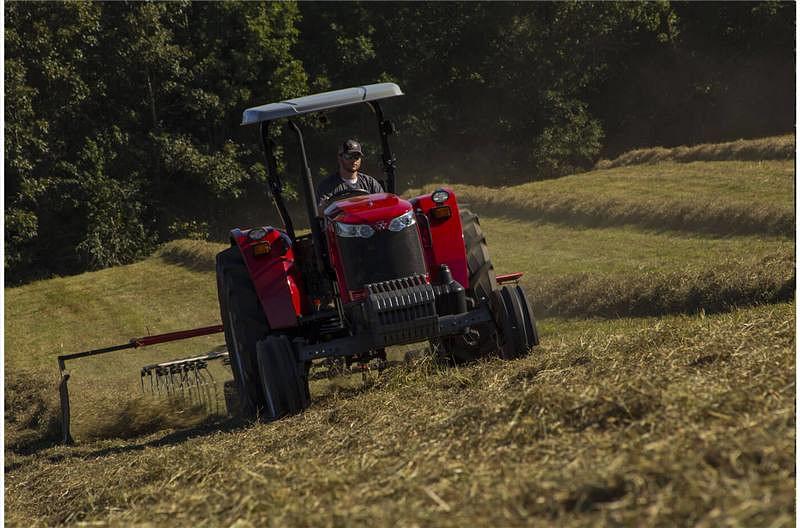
(367, 209)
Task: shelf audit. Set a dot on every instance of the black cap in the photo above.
(351, 145)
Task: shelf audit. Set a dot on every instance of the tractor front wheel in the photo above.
(245, 325)
(515, 321)
(284, 380)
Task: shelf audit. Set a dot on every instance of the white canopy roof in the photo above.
(320, 101)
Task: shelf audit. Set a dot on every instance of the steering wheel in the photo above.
(346, 193)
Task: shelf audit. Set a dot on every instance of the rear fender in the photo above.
(275, 275)
(442, 239)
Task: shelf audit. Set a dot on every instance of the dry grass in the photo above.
(31, 409)
(671, 421)
(694, 289)
(772, 148)
(683, 419)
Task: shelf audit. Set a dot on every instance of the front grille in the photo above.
(384, 256)
(402, 310)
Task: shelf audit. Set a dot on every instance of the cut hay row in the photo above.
(589, 209)
(717, 288)
(675, 421)
(772, 148)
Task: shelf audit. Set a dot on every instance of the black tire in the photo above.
(284, 380)
(514, 319)
(245, 325)
(530, 321)
(482, 281)
(482, 278)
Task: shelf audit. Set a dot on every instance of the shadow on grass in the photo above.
(208, 427)
(191, 254)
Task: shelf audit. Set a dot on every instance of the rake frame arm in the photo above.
(136, 342)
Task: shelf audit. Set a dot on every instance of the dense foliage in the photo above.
(122, 118)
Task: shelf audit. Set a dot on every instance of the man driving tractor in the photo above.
(347, 176)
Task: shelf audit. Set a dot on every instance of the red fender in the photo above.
(270, 260)
(442, 238)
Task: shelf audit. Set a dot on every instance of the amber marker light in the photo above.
(440, 213)
(261, 249)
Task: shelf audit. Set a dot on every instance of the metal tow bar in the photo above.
(136, 342)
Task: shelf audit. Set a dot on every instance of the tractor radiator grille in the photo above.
(402, 310)
(381, 257)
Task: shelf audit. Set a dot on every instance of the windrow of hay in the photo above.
(197, 255)
(771, 148)
(581, 209)
(714, 289)
(128, 417)
(31, 409)
(669, 422)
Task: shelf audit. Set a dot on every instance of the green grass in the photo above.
(723, 198)
(551, 250)
(685, 418)
(92, 310)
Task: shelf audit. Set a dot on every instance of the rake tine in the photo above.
(171, 382)
(198, 383)
(215, 399)
(186, 380)
(184, 385)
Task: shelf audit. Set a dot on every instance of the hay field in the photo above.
(662, 394)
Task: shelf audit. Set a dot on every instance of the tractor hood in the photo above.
(369, 209)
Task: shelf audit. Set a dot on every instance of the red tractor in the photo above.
(376, 270)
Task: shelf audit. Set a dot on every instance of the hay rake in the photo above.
(185, 380)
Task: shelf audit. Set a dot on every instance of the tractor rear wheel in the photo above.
(482, 282)
(245, 324)
(482, 279)
(284, 380)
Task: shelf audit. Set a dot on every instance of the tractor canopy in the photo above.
(320, 101)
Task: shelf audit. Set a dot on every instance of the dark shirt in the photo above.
(334, 184)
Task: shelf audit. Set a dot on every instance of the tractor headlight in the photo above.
(353, 230)
(403, 221)
(440, 196)
(257, 233)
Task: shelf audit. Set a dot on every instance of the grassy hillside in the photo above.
(720, 197)
(663, 392)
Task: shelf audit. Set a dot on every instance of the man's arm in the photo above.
(373, 184)
(324, 190)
